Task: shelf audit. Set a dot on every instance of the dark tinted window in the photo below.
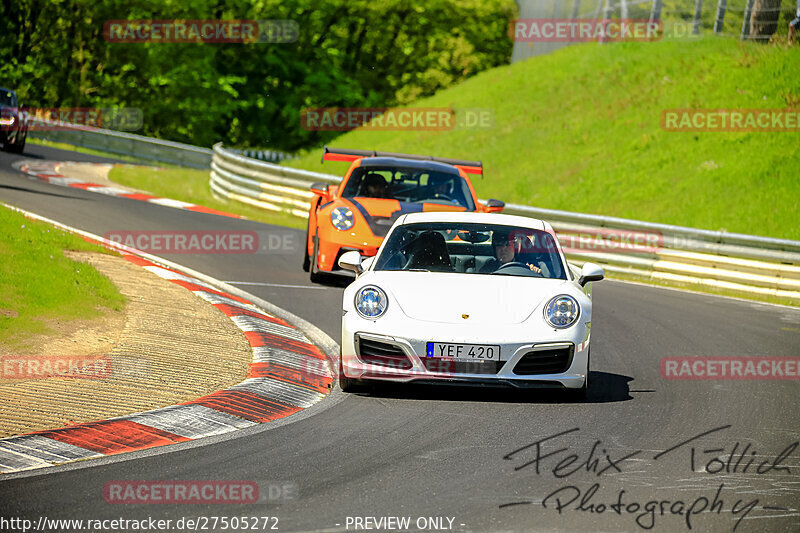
(8, 98)
(472, 249)
(409, 185)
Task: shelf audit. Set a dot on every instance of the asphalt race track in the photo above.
(471, 459)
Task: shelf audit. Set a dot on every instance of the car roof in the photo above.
(7, 90)
(407, 163)
(477, 218)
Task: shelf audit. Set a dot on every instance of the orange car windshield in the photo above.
(413, 185)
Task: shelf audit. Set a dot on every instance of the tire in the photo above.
(314, 274)
(306, 257)
(16, 148)
(580, 395)
(347, 384)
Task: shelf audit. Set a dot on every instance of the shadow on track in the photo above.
(25, 189)
(604, 388)
(332, 280)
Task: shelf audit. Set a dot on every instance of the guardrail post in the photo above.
(608, 11)
(655, 13)
(698, 17)
(748, 11)
(555, 7)
(720, 18)
(576, 7)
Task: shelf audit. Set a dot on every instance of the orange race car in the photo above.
(378, 188)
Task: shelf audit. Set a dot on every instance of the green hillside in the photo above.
(580, 130)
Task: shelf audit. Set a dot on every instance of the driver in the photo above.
(504, 249)
(440, 187)
(375, 186)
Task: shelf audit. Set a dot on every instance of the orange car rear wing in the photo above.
(344, 154)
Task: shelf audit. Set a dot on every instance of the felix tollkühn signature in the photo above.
(549, 454)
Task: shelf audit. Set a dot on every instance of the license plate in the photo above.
(464, 352)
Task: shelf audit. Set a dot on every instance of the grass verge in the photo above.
(580, 130)
(38, 283)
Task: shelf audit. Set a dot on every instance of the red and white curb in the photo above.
(48, 171)
(288, 373)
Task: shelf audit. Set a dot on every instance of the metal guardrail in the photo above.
(117, 142)
(270, 156)
(738, 262)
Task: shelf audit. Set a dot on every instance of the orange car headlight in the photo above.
(342, 218)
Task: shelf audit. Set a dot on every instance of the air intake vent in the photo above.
(382, 353)
(553, 361)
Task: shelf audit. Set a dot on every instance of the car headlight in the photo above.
(371, 302)
(562, 311)
(342, 218)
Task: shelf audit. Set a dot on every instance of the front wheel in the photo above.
(18, 146)
(306, 257)
(314, 274)
(347, 384)
(580, 395)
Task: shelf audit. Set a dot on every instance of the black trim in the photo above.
(556, 360)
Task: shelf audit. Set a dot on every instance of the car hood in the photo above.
(485, 299)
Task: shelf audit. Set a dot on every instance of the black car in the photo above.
(13, 123)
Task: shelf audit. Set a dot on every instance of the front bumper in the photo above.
(409, 361)
(331, 250)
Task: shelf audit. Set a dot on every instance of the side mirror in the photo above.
(494, 206)
(366, 263)
(351, 261)
(591, 272)
(320, 188)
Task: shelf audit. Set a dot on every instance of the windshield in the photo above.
(413, 185)
(466, 248)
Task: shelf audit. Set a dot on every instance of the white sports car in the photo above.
(468, 297)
